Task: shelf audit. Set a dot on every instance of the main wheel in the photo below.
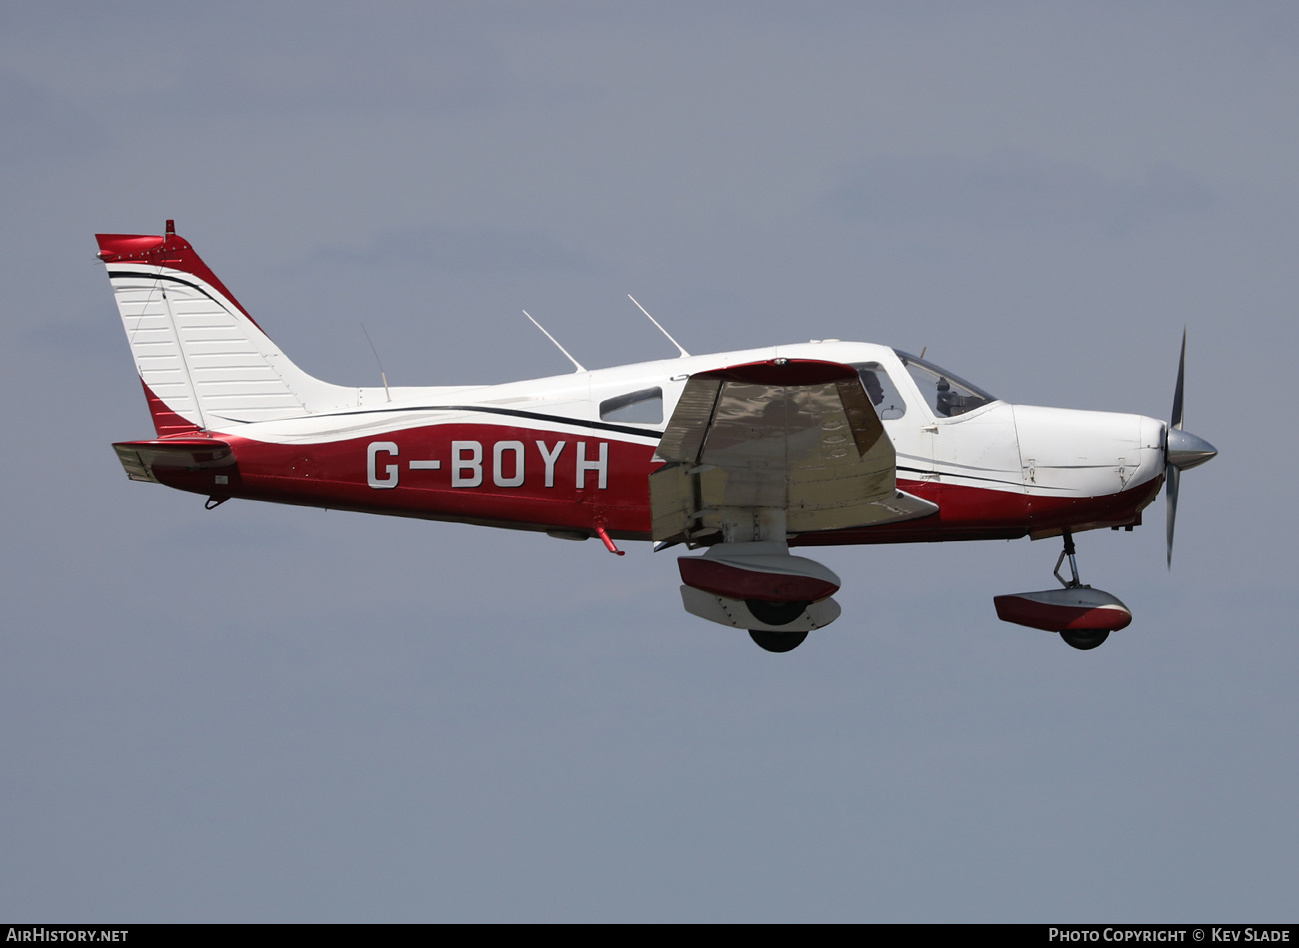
(776, 613)
(1085, 640)
(777, 641)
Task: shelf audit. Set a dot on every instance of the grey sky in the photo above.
(264, 713)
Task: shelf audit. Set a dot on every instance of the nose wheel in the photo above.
(1084, 617)
(1081, 639)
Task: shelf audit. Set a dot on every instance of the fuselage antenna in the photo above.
(683, 352)
(579, 365)
(383, 375)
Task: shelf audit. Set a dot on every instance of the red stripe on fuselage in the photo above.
(523, 478)
(974, 513)
(494, 474)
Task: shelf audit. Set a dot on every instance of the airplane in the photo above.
(743, 455)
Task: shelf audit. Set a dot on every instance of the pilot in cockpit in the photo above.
(873, 387)
(884, 398)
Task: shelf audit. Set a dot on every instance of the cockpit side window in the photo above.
(948, 395)
(644, 407)
(883, 393)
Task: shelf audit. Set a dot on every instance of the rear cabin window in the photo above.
(883, 393)
(644, 407)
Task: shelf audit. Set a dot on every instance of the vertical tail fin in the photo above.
(205, 364)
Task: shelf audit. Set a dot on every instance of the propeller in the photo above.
(1182, 451)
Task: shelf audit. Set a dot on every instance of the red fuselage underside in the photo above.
(535, 484)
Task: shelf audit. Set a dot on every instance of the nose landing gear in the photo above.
(1084, 617)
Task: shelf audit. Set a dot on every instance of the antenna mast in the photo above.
(383, 375)
(683, 352)
(580, 367)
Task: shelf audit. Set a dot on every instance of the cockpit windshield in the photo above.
(948, 395)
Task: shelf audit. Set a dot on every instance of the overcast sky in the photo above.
(279, 714)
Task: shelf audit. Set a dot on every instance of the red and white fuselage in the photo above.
(573, 454)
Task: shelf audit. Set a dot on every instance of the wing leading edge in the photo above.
(791, 434)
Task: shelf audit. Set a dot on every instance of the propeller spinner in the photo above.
(1182, 450)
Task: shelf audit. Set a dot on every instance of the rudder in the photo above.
(205, 364)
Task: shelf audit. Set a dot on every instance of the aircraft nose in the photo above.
(1184, 450)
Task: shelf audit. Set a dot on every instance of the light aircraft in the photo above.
(741, 454)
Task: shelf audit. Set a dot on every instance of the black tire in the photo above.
(776, 613)
(1085, 640)
(777, 641)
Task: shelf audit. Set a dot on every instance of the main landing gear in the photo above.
(751, 581)
(777, 613)
(1084, 617)
(1084, 640)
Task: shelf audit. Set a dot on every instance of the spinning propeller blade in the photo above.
(1172, 482)
(1182, 450)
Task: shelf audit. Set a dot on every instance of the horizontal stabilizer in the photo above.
(139, 458)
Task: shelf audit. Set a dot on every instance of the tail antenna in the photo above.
(684, 354)
(383, 375)
(580, 367)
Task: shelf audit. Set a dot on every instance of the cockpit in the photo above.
(946, 394)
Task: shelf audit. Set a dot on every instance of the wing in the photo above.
(794, 434)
